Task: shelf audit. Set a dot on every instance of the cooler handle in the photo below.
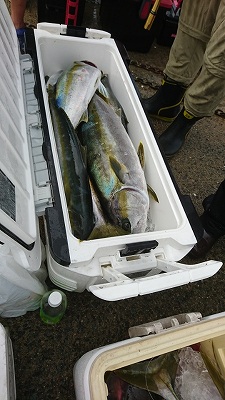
(170, 274)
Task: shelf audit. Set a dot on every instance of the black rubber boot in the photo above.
(174, 136)
(165, 103)
(207, 202)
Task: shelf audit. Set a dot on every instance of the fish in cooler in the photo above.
(114, 167)
(74, 171)
(75, 88)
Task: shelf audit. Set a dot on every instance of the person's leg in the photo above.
(208, 89)
(195, 27)
(205, 93)
(18, 8)
(213, 222)
(185, 58)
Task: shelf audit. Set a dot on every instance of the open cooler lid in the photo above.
(23, 187)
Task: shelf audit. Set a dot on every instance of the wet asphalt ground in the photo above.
(45, 355)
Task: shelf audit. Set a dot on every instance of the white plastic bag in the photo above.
(20, 290)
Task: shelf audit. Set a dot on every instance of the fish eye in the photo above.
(126, 224)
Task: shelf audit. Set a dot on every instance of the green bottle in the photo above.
(53, 306)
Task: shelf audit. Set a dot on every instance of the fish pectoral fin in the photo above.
(102, 90)
(119, 169)
(152, 193)
(141, 155)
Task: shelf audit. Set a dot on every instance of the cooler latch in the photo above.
(40, 174)
(164, 324)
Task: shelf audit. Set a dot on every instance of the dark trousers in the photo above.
(213, 218)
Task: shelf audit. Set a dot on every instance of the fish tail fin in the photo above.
(54, 78)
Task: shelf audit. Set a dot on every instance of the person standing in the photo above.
(194, 73)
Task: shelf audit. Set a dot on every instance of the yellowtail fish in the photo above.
(114, 167)
(74, 89)
(74, 171)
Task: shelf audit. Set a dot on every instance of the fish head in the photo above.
(129, 209)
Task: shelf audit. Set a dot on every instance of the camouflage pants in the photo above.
(197, 57)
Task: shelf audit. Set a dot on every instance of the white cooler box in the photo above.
(146, 341)
(31, 182)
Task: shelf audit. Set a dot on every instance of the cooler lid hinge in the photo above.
(41, 179)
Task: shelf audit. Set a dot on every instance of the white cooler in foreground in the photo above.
(111, 268)
(159, 337)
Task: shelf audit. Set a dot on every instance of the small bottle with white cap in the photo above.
(53, 306)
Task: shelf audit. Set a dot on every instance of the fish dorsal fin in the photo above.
(119, 169)
(141, 155)
(152, 193)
